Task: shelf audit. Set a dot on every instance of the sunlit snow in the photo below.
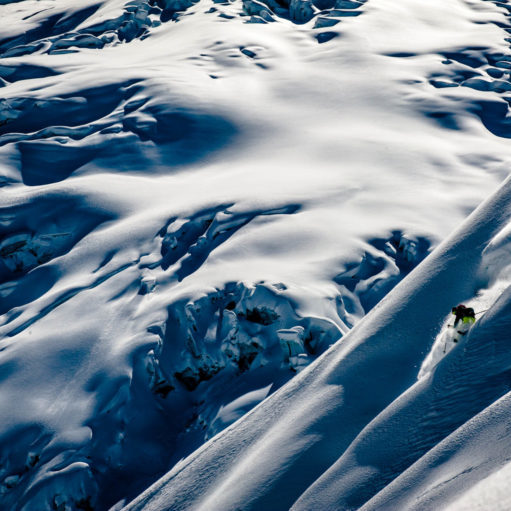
(231, 235)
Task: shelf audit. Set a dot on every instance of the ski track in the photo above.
(199, 200)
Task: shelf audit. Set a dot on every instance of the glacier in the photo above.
(231, 234)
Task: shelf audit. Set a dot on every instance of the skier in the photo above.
(464, 318)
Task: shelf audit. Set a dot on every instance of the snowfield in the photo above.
(231, 235)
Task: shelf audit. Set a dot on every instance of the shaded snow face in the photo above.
(200, 198)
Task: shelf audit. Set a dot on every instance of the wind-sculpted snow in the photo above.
(327, 13)
(387, 262)
(222, 282)
(480, 68)
(363, 435)
(68, 26)
(55, 137)
(33, 233)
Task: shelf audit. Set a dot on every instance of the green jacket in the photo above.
(466, 319)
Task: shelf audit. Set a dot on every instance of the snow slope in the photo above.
(355, 420)
(199, 199)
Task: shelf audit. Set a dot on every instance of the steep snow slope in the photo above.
(198, 199)
(353, 421)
